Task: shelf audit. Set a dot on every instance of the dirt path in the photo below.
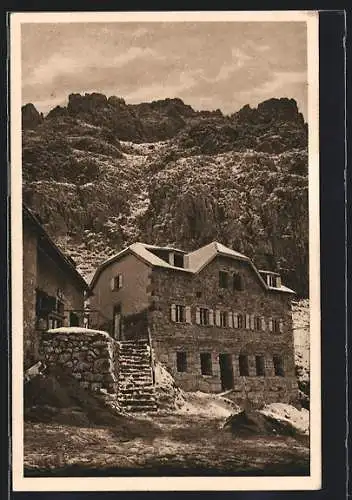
(176, 445)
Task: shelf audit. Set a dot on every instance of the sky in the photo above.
(209, 65)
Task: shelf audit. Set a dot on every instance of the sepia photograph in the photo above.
(165, 193)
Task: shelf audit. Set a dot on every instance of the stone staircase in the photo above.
(136, 390)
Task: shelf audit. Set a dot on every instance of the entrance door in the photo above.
(226, 371)
(117, 331)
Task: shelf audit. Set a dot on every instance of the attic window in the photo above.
(178, 260)
(237, 282)
(223, 279)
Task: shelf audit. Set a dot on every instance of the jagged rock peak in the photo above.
(277, 108)
(31, 117)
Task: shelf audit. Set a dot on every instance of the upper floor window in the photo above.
(237, 281)
(240, 321)
(224, 320)
(204, 316)
(277, 326)
(223, 279)
(180, 313)
(116, 282)
(257, 323)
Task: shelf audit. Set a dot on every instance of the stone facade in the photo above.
(48, 274)
(169, 337)
(90, 356)
(212, 336)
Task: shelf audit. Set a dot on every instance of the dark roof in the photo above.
(47, 244)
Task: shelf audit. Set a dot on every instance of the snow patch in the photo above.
(287, 413)
(74, 329)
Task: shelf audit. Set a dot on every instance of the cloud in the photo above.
(280, 79)
(161, 90)
(61, 66)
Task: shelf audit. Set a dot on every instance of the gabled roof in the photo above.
(198, 259)
(194, 261)
(47, 244)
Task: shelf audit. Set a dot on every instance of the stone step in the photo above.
(134, 342)
(137, 390)
(141, 409)
(134, 380)
(140, 365)
(133, 353)
(137, 402)
(134, 357)
(145, 372)
(136, 395)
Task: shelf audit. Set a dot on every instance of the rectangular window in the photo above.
(204, 316)
(178, 260)
(276, 325)
(198, 294)
(243, 365)
(181, 361)
(117, 282)
(278, 366)
(223, 279)
(180, 314)
(237, 282)
(224, 322)
(257, 323)
(260, 366)
(205, 363)
(240, 321)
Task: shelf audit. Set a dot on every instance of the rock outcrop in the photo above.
(102, 173)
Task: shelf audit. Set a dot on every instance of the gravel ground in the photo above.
(176, 444)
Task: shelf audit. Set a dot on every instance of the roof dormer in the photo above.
(272, 279)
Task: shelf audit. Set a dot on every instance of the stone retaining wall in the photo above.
(91, 356)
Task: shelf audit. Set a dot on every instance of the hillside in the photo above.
(102, 174)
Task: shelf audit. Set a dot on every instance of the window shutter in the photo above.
(112, 284)
(270, 324)
(217, 318)
(211, 317)
(235, 320)
(252, 322)
(263, 324)
(173, 312)
(198, 316)
(230, 319)
(120, 280)
(248, 325)
(188, 314)
(281, 326)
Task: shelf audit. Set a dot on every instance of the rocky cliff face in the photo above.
(102, 174)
